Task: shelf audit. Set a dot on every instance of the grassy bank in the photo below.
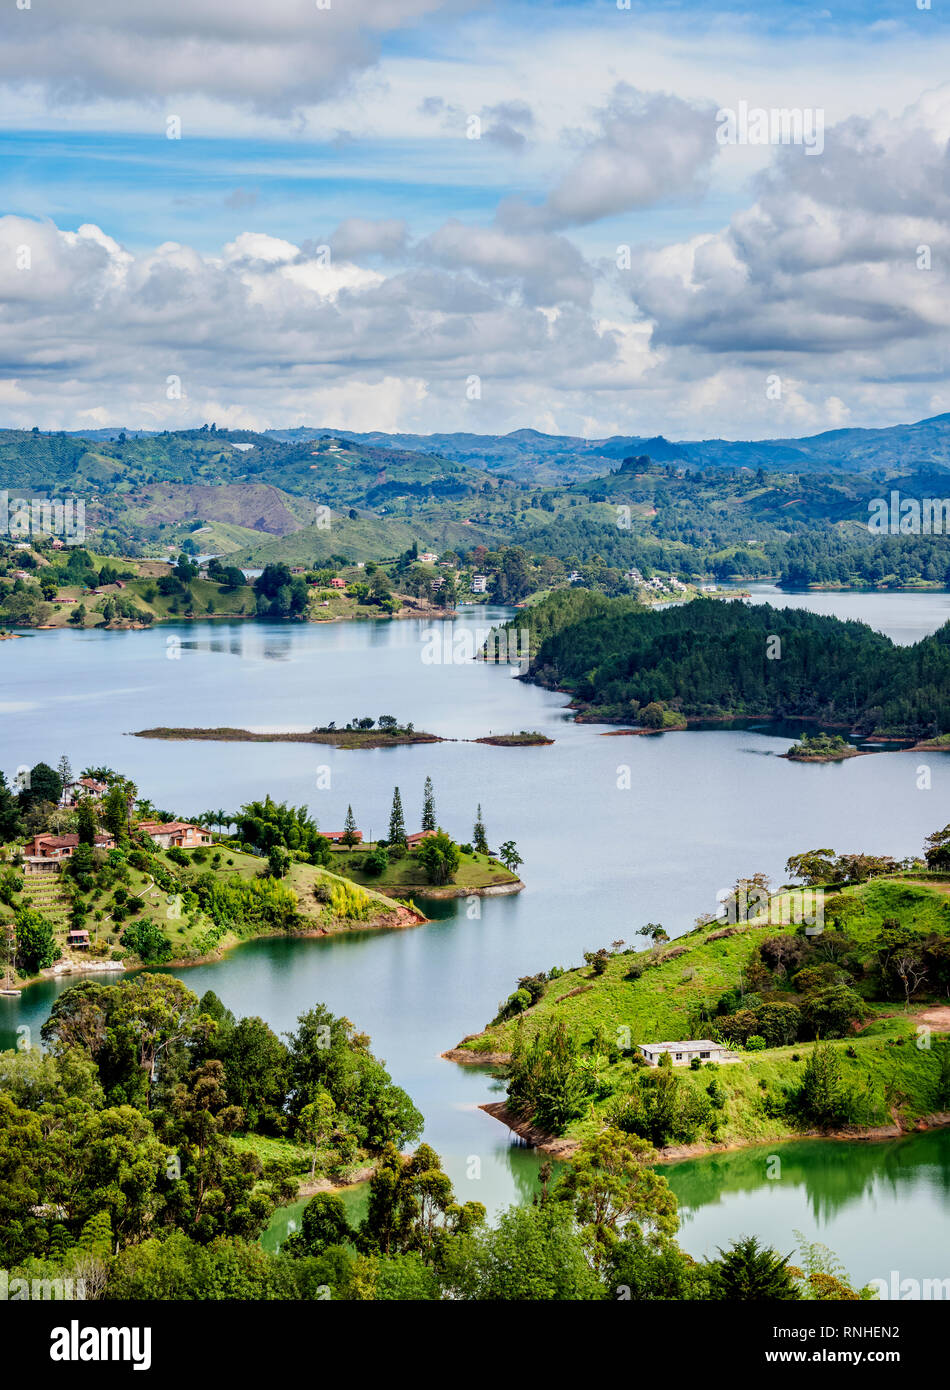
(325, 905)
(671, 991)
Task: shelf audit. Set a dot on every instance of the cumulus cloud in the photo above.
(360, 236)
(266, 332)
(647, 147)
(840, 254)
(545, 269)
(274, 57)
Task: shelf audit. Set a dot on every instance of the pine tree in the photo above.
(479, 839)
(428, 806)
(87, 824)
(65, 771)
(397, 825)
(349, 828)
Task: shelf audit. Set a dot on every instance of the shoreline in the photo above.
(391, 921)
(563, 1147)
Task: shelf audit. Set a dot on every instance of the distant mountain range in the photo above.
(528, 455)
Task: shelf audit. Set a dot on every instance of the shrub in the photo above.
(176, 855)
(755, 1042)
(376, 863)
(439, 856)
(695, 1064)
(147, 941)
(350, 903)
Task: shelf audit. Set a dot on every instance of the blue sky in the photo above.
(451, 256)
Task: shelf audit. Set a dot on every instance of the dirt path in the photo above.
(937, 1017)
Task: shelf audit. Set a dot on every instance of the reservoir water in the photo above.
(614, 832)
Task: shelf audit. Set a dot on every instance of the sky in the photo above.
(433, 215)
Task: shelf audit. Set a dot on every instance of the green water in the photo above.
(880, 1206)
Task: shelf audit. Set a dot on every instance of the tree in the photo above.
(256, 1066)
(428, 806)
(349, 829)
(412, 1206)
(36, 941)
(611, 1187)
(822, 1098)
(748, 1271)
(65, 774)
(397, 825)
(278, 861)
(117, 807)
(533, 1253)
(439, 856)
(322, 1224)
(911, 972)
(509, 856)
(44, 784)
(316, 1124)
(479, 840)
(10, 824)
(87, 823)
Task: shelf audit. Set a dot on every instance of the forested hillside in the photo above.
(709, 658)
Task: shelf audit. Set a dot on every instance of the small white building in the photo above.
(682, 1053)
(428, 557)
(479, 584)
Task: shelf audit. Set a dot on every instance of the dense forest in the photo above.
(709, 658)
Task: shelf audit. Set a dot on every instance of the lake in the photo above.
(701, 809)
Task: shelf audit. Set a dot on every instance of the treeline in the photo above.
(709, 658)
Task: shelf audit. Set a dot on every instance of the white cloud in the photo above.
(275, 57)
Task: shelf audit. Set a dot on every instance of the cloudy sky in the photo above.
(456, 215)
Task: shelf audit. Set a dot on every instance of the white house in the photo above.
(682, 1053)
(428, 557)
(479, 583)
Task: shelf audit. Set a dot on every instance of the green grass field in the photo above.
(405, 877)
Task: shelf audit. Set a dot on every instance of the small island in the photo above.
(526, 739)
(359, 734)
(821, 748)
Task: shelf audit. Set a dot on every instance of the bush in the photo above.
(176, 855)
(376, 863)
(695, 1064)
(755, 1043)
(465, 849)
(439, 856)
(147, 941)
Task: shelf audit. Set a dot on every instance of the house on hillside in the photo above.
(682, 1053)
(428, 557)
(418, 836)
(86, 786)
(336, 836)
(175, 834)
(337, 583)
(62, 846)
(479, 584)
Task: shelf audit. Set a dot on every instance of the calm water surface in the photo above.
(701, 809)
